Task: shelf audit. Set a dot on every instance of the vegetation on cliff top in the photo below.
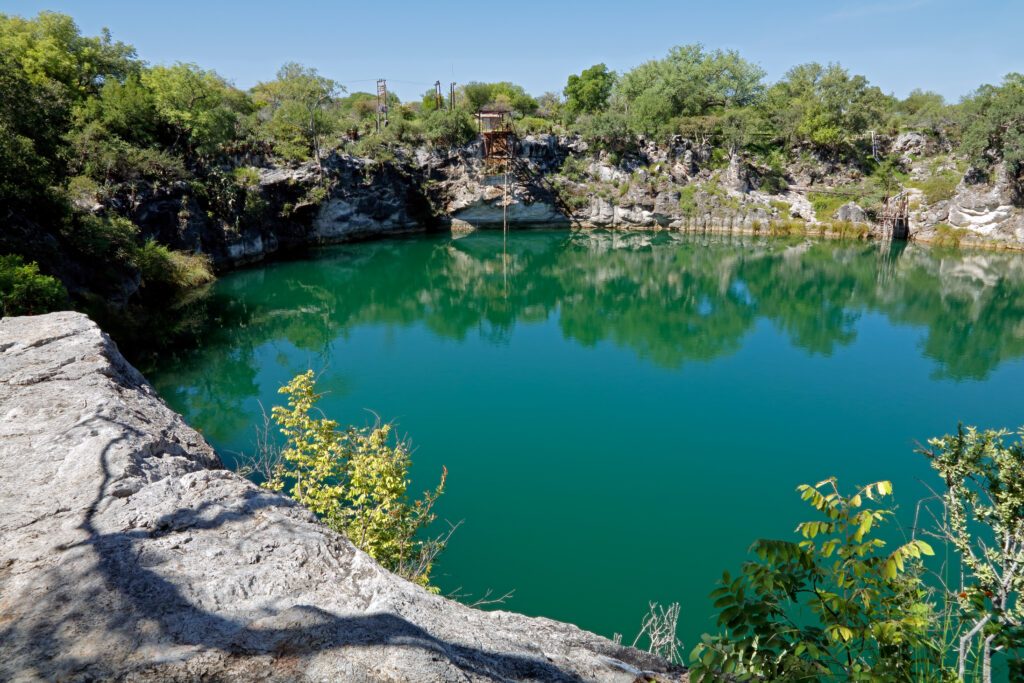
(87, 126)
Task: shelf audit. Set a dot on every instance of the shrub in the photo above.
(575, 168)
(403, 131)
(939, 186)
(357, 481)
(688, 200)
(375, 148)
(786, 227)
(107, 158)
(534, 124)
(948, 236)
(108, 242)
(607, 130)
(449, 128)
(26, 291)
(826, 205)
(835, 604)
(168, 270)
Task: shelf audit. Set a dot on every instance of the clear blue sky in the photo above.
(950, 46)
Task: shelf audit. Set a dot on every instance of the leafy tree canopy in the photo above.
(993, 124)
(198, 105)
(296, 109)
(477, 95)
(825, 106)
(689, 81)
(589, 91)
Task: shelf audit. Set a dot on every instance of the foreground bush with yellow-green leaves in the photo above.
(356, 480)
(842, 604)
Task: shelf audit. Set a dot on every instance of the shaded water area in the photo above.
(621, 414)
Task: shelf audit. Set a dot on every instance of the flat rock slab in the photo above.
(128, 552)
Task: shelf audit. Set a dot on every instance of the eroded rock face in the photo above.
(362, 200)
(987, 209)
(127, 552)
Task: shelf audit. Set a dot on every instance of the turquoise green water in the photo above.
(621, 415)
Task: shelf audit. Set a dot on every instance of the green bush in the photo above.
(26, 291)
(534, 124)
(939, 186)
(575, 168)
(688, 200)
(826, 205)
(449, 128)
(168, 270)
(608, 130)
(948, 236)
(835, 604)
(404, 131)
(109, 242)
(356, 480)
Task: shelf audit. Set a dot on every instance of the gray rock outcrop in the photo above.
(852, 212)
(988, 209)
(127, 552)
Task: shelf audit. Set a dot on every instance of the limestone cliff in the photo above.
(127, 552)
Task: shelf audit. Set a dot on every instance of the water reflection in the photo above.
(669, 298)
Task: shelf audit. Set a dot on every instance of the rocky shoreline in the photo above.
(553, 182)
(127, 552)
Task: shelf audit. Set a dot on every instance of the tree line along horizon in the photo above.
(83, 116)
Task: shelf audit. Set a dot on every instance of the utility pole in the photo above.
(451, 99)
(437, 94)
(382, 103)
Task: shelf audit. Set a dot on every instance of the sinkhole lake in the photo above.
(621, 415)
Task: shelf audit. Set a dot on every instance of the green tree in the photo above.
(357, 480)
(199, 107)
(834, 604)
(927, 112)
(114, 136)
(609, 130)
(32, 122)
(826, 107)
(993, 124)
(50, 49)
(588, 92)
(296, 110)
(428, 102)
(126, 109)
(476, 95)
(26, 291)
(689, 81)
(446, 128)
(549, 105)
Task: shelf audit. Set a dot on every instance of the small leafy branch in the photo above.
(836, 603)
(357, 481)
(983, 520)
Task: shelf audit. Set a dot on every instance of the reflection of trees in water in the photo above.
(671, 298)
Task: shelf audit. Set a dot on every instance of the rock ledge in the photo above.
(128, 552)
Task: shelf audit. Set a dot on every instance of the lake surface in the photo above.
(621, 415)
